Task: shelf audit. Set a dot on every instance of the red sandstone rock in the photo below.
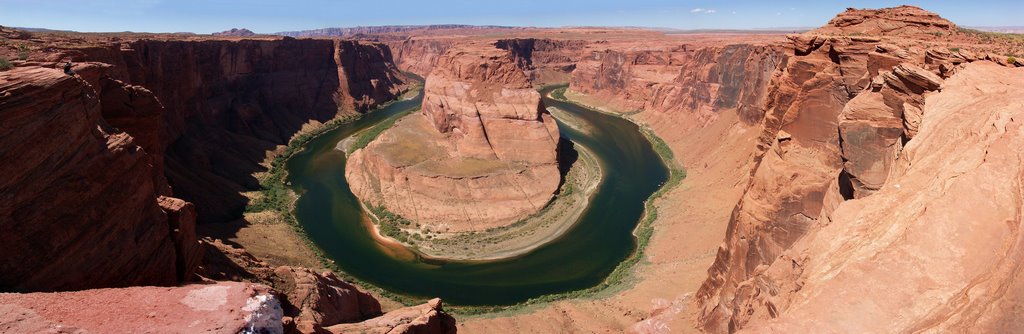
(937, 247)
(228, 102)
(65, 171)
(224, 307)
(323, 300)
(425, 318)
(837, 118)
(702, 79)
(482, 153)
(905, 21)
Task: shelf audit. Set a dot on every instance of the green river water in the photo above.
(580, 259)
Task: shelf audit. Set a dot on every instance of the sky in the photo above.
(268, 16)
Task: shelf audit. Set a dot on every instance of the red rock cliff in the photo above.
(702, 79)
(229, 102)
(482, 152)
(840, 118)
(83, 200)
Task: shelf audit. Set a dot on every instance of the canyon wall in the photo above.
(481, 154)
(96, 158)
(83, 202)
(698, 78)
(840, 117)
(228, 103)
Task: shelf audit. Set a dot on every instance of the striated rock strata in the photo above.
(938, 246)
(230, 102)
(841, 122)
(84, 203)
(481, 154)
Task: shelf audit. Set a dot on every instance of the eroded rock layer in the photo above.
(230, 102)
(840, 121)
(83, 204)
(937, 247)
(482, 152)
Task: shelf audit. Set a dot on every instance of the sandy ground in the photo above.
(691, 224)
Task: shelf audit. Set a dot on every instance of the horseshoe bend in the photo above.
(860, 176)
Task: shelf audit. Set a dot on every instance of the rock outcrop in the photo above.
(424, 318)
(321, 300)
(481, 154)
(840, 121)
(83, 201)
(223, 307)
(938, 247)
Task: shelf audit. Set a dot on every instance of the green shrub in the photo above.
(5, 64)
(1011, 60)
(954, 49)
(23, 51)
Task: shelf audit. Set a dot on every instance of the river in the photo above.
(582, 258)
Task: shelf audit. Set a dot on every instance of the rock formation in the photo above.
(937, 247)
(702, 79)
(424, 318)
(229, 102)
(481, 154)
(66, 169)
(321, 300)
(840, 122)
(223, 307)
(93, 160)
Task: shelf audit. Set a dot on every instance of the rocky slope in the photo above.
(482, 152)
(939, 242)
(840, 118)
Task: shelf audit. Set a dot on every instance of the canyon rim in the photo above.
(863, 176)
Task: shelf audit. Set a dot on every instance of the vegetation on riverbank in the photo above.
(277, 196)
(622, 276)
(558, 216)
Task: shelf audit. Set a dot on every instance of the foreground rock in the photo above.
(425, 318)
(84, 204)
(224, 307)
(840, 127)
(320, 300)
(481, 154)
(940, 242)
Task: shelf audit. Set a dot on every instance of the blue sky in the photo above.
(204, 16)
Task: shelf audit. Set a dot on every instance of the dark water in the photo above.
(582, 258)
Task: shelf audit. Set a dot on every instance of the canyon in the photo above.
(480, 154)
(858, 177)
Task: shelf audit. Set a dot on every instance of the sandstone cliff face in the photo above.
(82, 202)
(937, 247)
(702, 79)
(229, 102)
(419, 55)
(545, 60)
(837, 121)
(481, 154)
